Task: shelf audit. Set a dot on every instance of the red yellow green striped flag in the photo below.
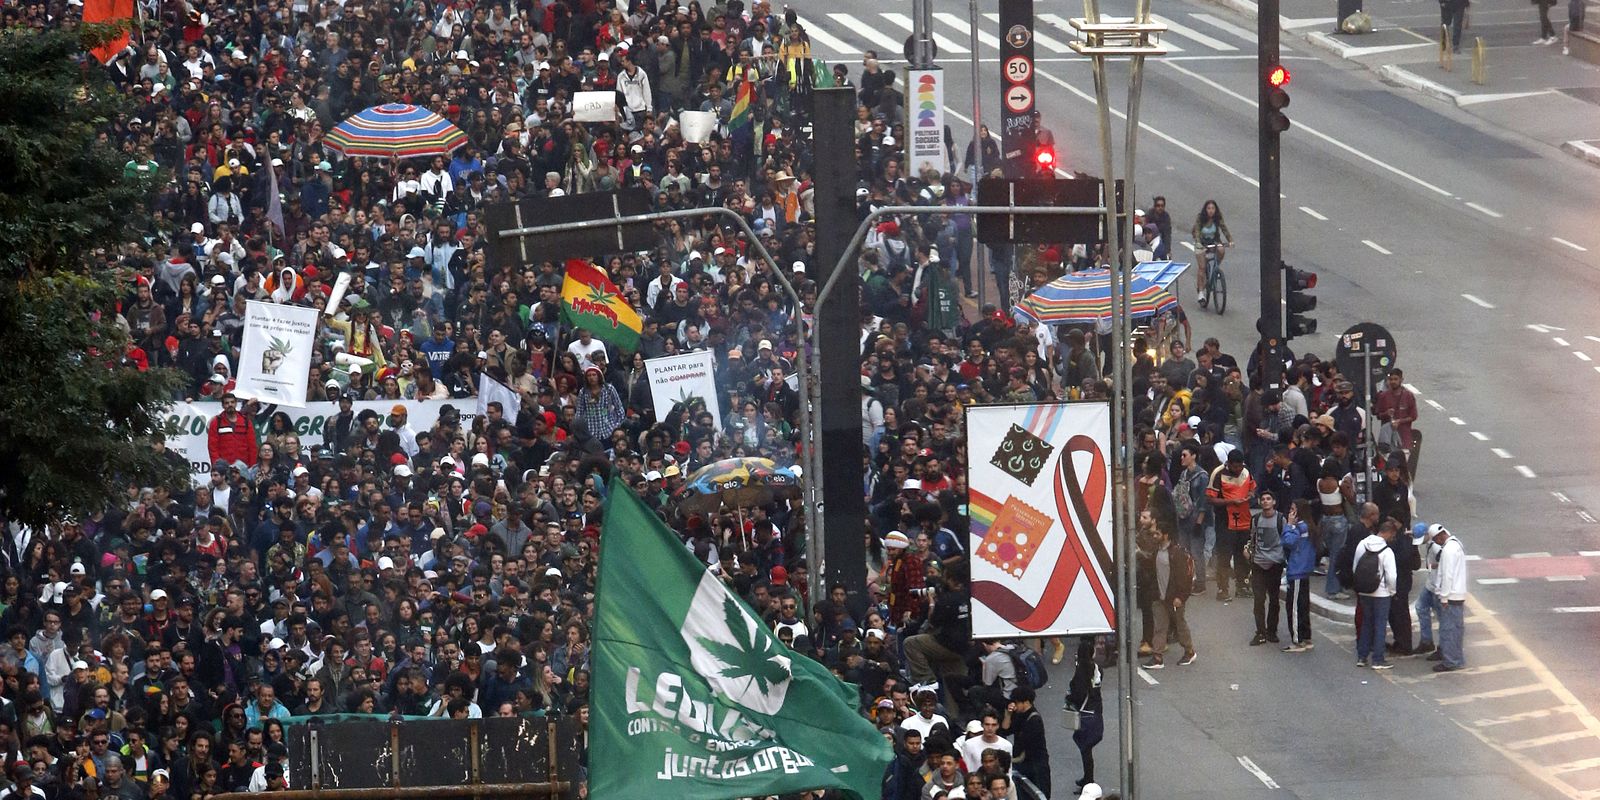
(589, 300)
(741, 124)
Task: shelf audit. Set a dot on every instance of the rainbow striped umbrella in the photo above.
(1085, 298)
(395, 129)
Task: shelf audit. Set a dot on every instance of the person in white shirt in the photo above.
(436, 182)
(1449, 583)
(926, 720)
(972, 747)
(1374, 600)
(584, 347)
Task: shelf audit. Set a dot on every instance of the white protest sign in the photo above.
(594, 106)
(275, 358)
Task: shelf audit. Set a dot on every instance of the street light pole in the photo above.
(1131, 38)
(977, 263)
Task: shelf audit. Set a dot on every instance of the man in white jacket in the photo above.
(1374, 597)
(1450, 584)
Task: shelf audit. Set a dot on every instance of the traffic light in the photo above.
(1277, 78)
(1297, 301)
(1044, 159)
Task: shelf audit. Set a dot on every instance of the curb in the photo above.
(1325, 42)
(1330, 610)
(1405, 78)
(1584, 150)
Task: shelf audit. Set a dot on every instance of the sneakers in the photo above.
(1423, 649)
(1361, 662)
(1198, 590)
(1188, 658)
(1058, 652)
(1258, 639)
(1306, 645)
(1445, 668)
(1293, 647)
(1155, 662)
(1272, 637)
(1437, 656)
(1200, 297)
(1223, 596)
(1340, 596)
(1540, 40)
(1383, 665)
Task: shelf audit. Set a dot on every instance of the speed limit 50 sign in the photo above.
(1019, 69)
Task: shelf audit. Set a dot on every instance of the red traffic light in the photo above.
(1045, 158)
(1278, 76)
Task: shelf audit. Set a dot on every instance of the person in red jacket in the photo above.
(231, 436)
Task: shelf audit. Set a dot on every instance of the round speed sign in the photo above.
(1019, 69)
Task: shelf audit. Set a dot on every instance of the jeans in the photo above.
(1334, 530)
(1297, 609)
(1264, 582)
(1230, 558)
(1454, 16)
(1427, 606)
(1452, 624)
(1369, 639)
(1193, 538)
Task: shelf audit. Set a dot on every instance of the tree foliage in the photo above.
(75, 426)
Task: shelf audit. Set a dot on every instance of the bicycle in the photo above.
(1216, 293)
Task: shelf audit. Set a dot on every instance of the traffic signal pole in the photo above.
(1270, 324)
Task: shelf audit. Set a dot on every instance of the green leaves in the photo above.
(750, 656)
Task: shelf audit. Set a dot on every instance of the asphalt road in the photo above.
(1479, 250)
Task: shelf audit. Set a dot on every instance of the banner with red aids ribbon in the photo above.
(1040, 508)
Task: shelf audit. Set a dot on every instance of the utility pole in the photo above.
(1270, 324)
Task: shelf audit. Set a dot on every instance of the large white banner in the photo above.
(187, 423)
(1040, 507)
(681, 378)
(275, 358)
(493, 391)
(925, 121)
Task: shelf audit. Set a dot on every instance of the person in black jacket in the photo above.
(941, 652)
(1407, 560)
(1030, 753)
(1083, 696)
(221, 664)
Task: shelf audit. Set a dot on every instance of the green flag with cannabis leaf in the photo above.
(694, 697)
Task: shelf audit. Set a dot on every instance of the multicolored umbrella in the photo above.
(1085, 298)
(395, 129)
(737, 483)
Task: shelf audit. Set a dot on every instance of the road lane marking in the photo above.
(1585, 516)
(1261, 774)
(1576, 609)
(1576, 766)
(1491, 212)
(1148, 678)
(1593, 338)
(1578, 247)
(868, 32)
(1483, 670)
(1543, 328)
(1565, 578)
(1493, 694)
(960, 24)
(1434, 404)
(1554, 738)
(1480, 437)
(1376, 246)
(1501, 452)
(1526, 471)
(1473, 557)
(1560, 341)
(828, 40)
(1358, 153)
(1524, 716)
(1497, 581)
(1145, 126)
(1563, 498)
(1589, 553)
(1186, 32)
(1223, 25)
(1458, 420)
(1311, 212)
(1476, 300)
(1540, 554)
(945, 43)
(1582, 356)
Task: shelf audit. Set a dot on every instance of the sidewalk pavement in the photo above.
(1529, 89)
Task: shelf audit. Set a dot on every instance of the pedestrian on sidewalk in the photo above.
(1428, 599)
(1030, 749)
(1450, 584)
(1547, 31)
(1230, 490)
(1576, 9)
(1266, 568)
(1453, 16)
(1083, 696)
(1333, 523)
(1174, 574)
(1189, 500)
(1406, 562)
(1300, 559)
(1374, 573)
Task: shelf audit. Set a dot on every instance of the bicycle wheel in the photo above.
(1219, 291)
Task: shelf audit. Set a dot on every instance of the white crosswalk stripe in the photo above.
(842, 35)
(986, 38)
(946, 44)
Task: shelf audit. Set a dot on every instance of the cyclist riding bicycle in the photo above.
(1209, 230)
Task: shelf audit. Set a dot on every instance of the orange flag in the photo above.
(109, 11)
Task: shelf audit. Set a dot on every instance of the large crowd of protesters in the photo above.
(157, 649)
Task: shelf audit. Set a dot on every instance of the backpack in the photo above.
(1183, 498)
(1030, 667)
(1369, 571)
